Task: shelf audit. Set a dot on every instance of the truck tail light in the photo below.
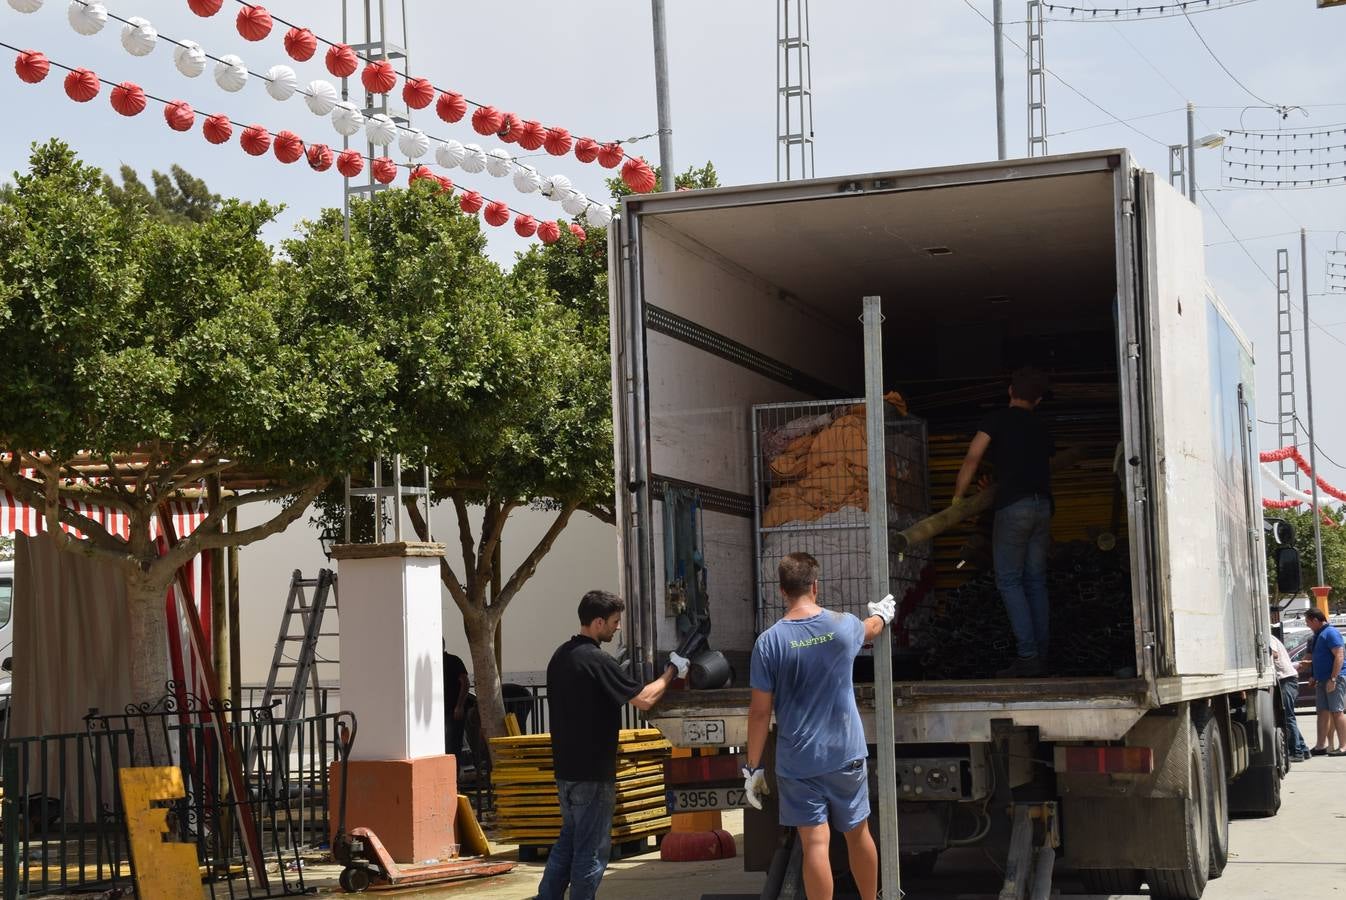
(701, 769)
(1105, 760)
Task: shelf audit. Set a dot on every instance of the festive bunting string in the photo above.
(129, 99)
(1081, 12)
(1284, 453)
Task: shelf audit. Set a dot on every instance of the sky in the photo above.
(895, 85)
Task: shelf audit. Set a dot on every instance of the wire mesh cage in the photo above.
(811, 494)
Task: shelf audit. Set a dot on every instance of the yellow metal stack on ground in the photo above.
(528, 813)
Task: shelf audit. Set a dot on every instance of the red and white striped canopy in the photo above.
(16, 516)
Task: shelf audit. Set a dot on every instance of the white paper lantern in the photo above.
(555, 187)
(281, 82)
(190, 59)
(26, 6)
(575, 203)
(346, 119)
(139, 36)
(474, 159)
(230, 73)
(87, 18)
(598, 215)
(498, 162)
(527, 180)
(449, 154)
(322, 97)
(380, 129)
(413, 143)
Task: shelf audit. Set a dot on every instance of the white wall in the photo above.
(538, 620)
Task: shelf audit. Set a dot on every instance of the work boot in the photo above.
(1023, 667)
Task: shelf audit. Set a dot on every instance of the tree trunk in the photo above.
(148, 660)
(480, 628)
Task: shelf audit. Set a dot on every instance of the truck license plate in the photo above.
(703, 731)
(697, 799)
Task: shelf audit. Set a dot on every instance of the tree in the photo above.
(165, 354)
(178, 197)
(1334, 549)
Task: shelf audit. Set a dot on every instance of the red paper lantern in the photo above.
(180, 115)
(342, 61)
(32, 66)
(385, 170)
(470, 202)
(379, 77)
(128, 98)
(487, 120)
(586, 149)
(350, 163)
(558, 142)
(525, 225)
(418, 93)
(497, 213)
(205, 8)
(289, 146)
(532, 135)
(578, 232)
(319, 157)
(421, 173)
(445, 183)
(610, 155)
(511, 129)
(254, 23)
(256, 140)
(81, 85)
(451, 107)
(300, 44)
(217, 128)
(638, 175)
(548, 231)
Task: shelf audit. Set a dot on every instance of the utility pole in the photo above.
(1308, 398)
(661, 96)
(1191, 152)
(998, 29)
(1037, 79)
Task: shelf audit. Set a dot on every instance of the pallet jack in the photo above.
(367, 864)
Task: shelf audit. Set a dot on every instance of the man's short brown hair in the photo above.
(599, 605)
(798, 572)
(1315, 614)
(1028, 384)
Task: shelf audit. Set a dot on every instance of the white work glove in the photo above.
(681, 663)
(754, 785)
(885, 609)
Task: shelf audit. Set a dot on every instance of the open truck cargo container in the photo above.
(729, 302)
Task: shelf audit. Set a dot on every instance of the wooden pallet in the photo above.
(535, 852)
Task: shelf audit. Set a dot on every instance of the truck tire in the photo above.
(1110, 881)
(1189, 882)
(1217, 811)
(1257, 792)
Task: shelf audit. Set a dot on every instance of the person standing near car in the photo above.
(1019, 447)
(802, 669)
(1287, 679)
(586, 690)
(1328, 652)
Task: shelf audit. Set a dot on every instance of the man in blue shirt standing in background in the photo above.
(801, 666)
(1330, 687)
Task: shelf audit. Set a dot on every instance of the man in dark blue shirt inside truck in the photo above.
(1019, 447)
(801, 668)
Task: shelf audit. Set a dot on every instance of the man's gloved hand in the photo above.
(885, 609)
(754, 785)
(681, 663)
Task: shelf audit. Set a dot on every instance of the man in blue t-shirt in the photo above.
(801, 667)
(1329, 684)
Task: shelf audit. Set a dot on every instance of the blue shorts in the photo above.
(840, 798)
(1335, 701)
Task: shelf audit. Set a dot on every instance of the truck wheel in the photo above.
(1110, 881)
(1189, 882)
(1212, 748)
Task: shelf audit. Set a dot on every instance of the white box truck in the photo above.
(725, 302)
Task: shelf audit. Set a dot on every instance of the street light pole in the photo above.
(1191, 152)
(661, 97)
(1308, 397)
(998, 28)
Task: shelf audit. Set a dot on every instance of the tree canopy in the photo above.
(179, 196)
(1334, 550)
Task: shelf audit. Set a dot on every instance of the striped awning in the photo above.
(16, 516)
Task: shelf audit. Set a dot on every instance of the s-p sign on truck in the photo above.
(738, 353)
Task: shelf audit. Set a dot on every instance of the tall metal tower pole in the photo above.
(1177, 166)
(998, 29)
(661, 96)
(794, 91)
(1037, 81)
(1191, 152)
(375, 46)
(1285, 367)
(1308, 400)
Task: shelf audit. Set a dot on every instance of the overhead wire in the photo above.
(1249, 91)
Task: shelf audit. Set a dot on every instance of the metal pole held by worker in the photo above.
(661, 97)
(998, 28)
(885, 731)
(1308, 399)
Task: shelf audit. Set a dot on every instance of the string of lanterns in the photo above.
(1083, 13)
(129, 99)
(139, 37)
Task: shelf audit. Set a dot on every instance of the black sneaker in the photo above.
(1023, 667)
(1318, 751)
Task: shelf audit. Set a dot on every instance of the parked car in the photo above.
(1299, 652)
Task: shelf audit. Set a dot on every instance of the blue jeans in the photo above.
(580, 854)
(1023, 532)
(1294, 739)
